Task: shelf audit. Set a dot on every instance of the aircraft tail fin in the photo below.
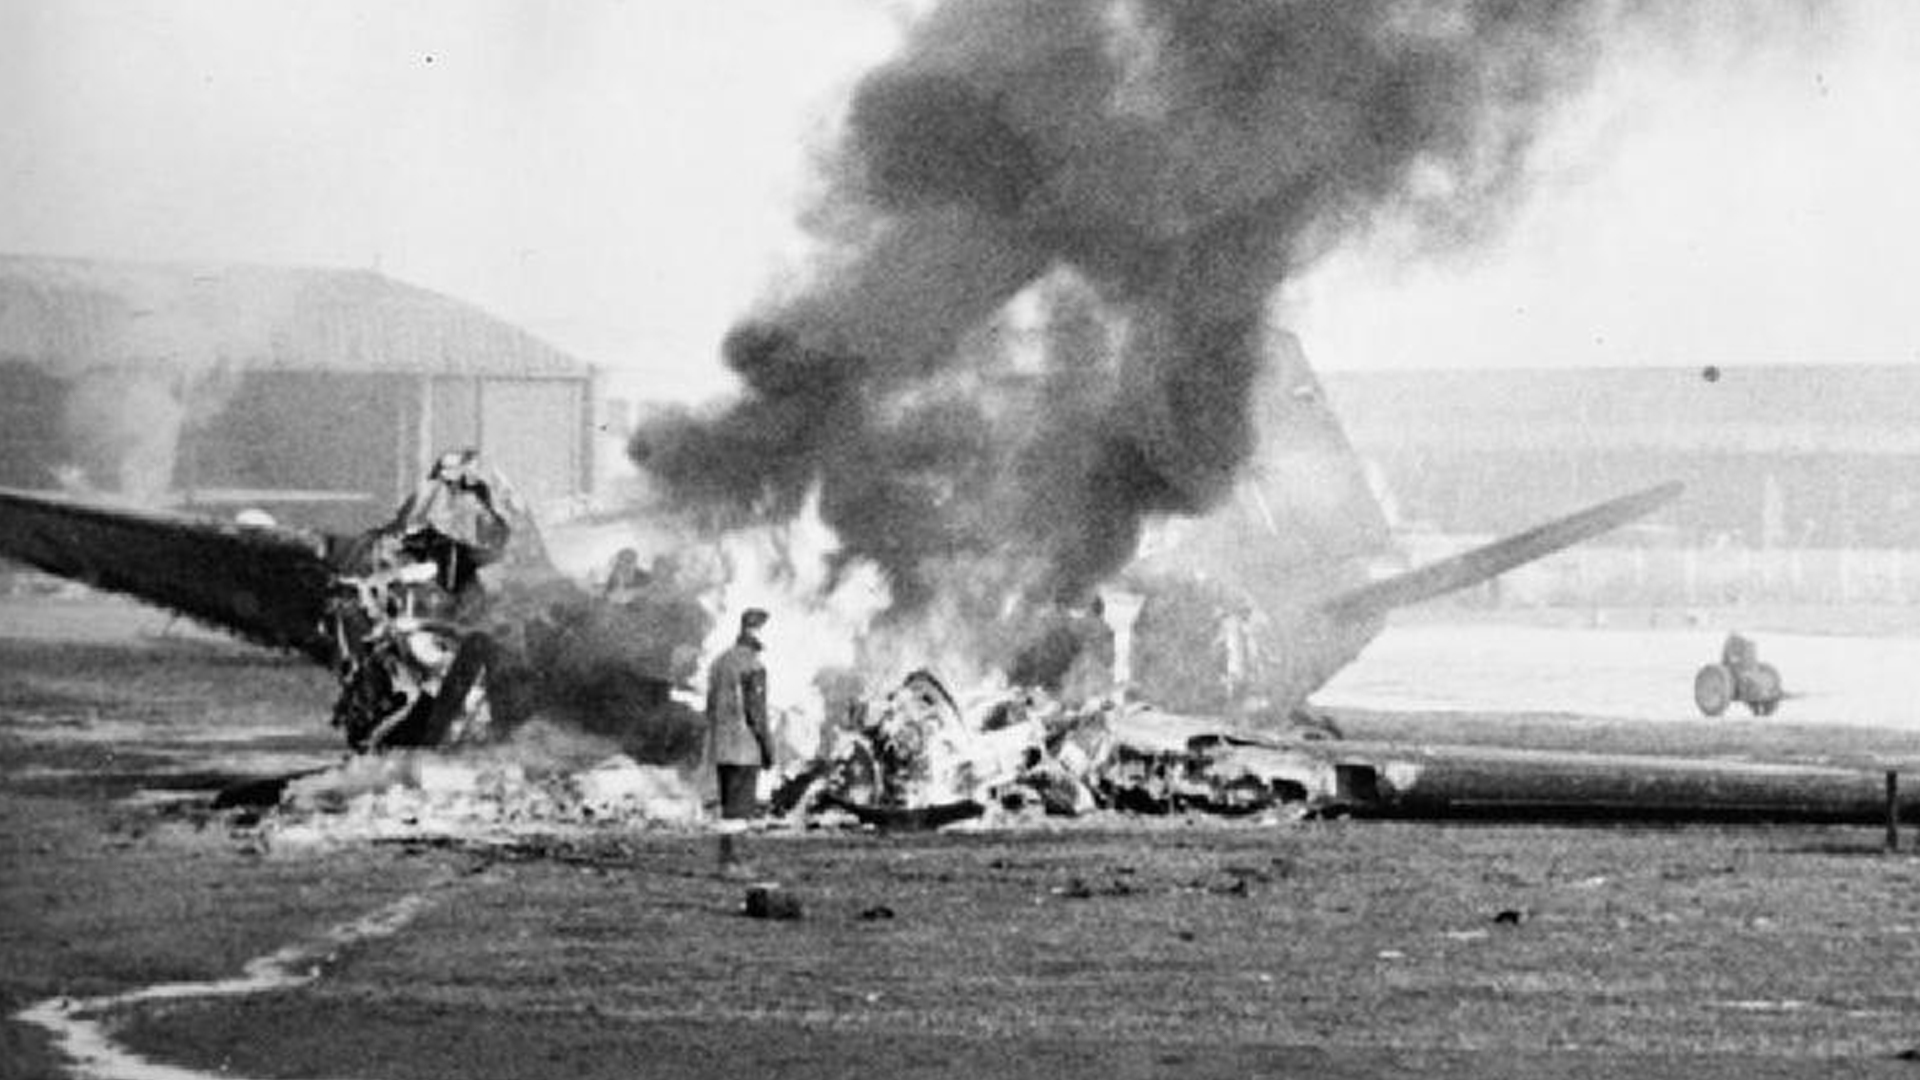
(1489, 560)
(1303, 511)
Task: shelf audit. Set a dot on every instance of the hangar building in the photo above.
(1802, 481)
(319, 395)
(1773, 456)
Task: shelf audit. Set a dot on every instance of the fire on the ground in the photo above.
(919, 756)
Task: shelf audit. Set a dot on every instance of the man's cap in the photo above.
(753, 619)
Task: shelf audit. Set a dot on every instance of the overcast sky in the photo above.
(622, 178)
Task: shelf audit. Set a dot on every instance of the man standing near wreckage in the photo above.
(737, 734)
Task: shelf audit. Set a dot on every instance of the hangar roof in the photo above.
(73, 314)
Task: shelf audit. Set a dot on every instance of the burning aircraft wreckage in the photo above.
(448, 630)
(1030, 377)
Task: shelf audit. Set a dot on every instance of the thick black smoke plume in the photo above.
(1165, 164)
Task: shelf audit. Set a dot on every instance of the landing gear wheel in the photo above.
(1713, 689)
(1762, 691)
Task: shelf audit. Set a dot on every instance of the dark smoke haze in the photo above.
(1159, 167)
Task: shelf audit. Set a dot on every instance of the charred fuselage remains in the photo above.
(446, 624)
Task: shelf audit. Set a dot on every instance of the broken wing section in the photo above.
(265, 585)
(1490, 560)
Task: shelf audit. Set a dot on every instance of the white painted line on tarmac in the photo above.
(81, 1027)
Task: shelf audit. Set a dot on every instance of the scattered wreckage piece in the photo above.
(912, 760)
(1160, 762)
(769, 900)
(915, 759)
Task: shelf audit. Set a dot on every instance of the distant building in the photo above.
(1773, 456)
(318, 395)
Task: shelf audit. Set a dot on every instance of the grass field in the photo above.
(1113, 948)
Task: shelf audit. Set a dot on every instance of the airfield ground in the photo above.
(1116, 948)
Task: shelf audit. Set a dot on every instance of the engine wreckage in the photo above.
(430, 652)
(410, 670)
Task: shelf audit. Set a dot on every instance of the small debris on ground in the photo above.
(1079, 888)
(770, 901)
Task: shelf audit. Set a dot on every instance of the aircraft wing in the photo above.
(266, 585)
(1489, 560)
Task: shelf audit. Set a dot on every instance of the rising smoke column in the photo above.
(1180, 159)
